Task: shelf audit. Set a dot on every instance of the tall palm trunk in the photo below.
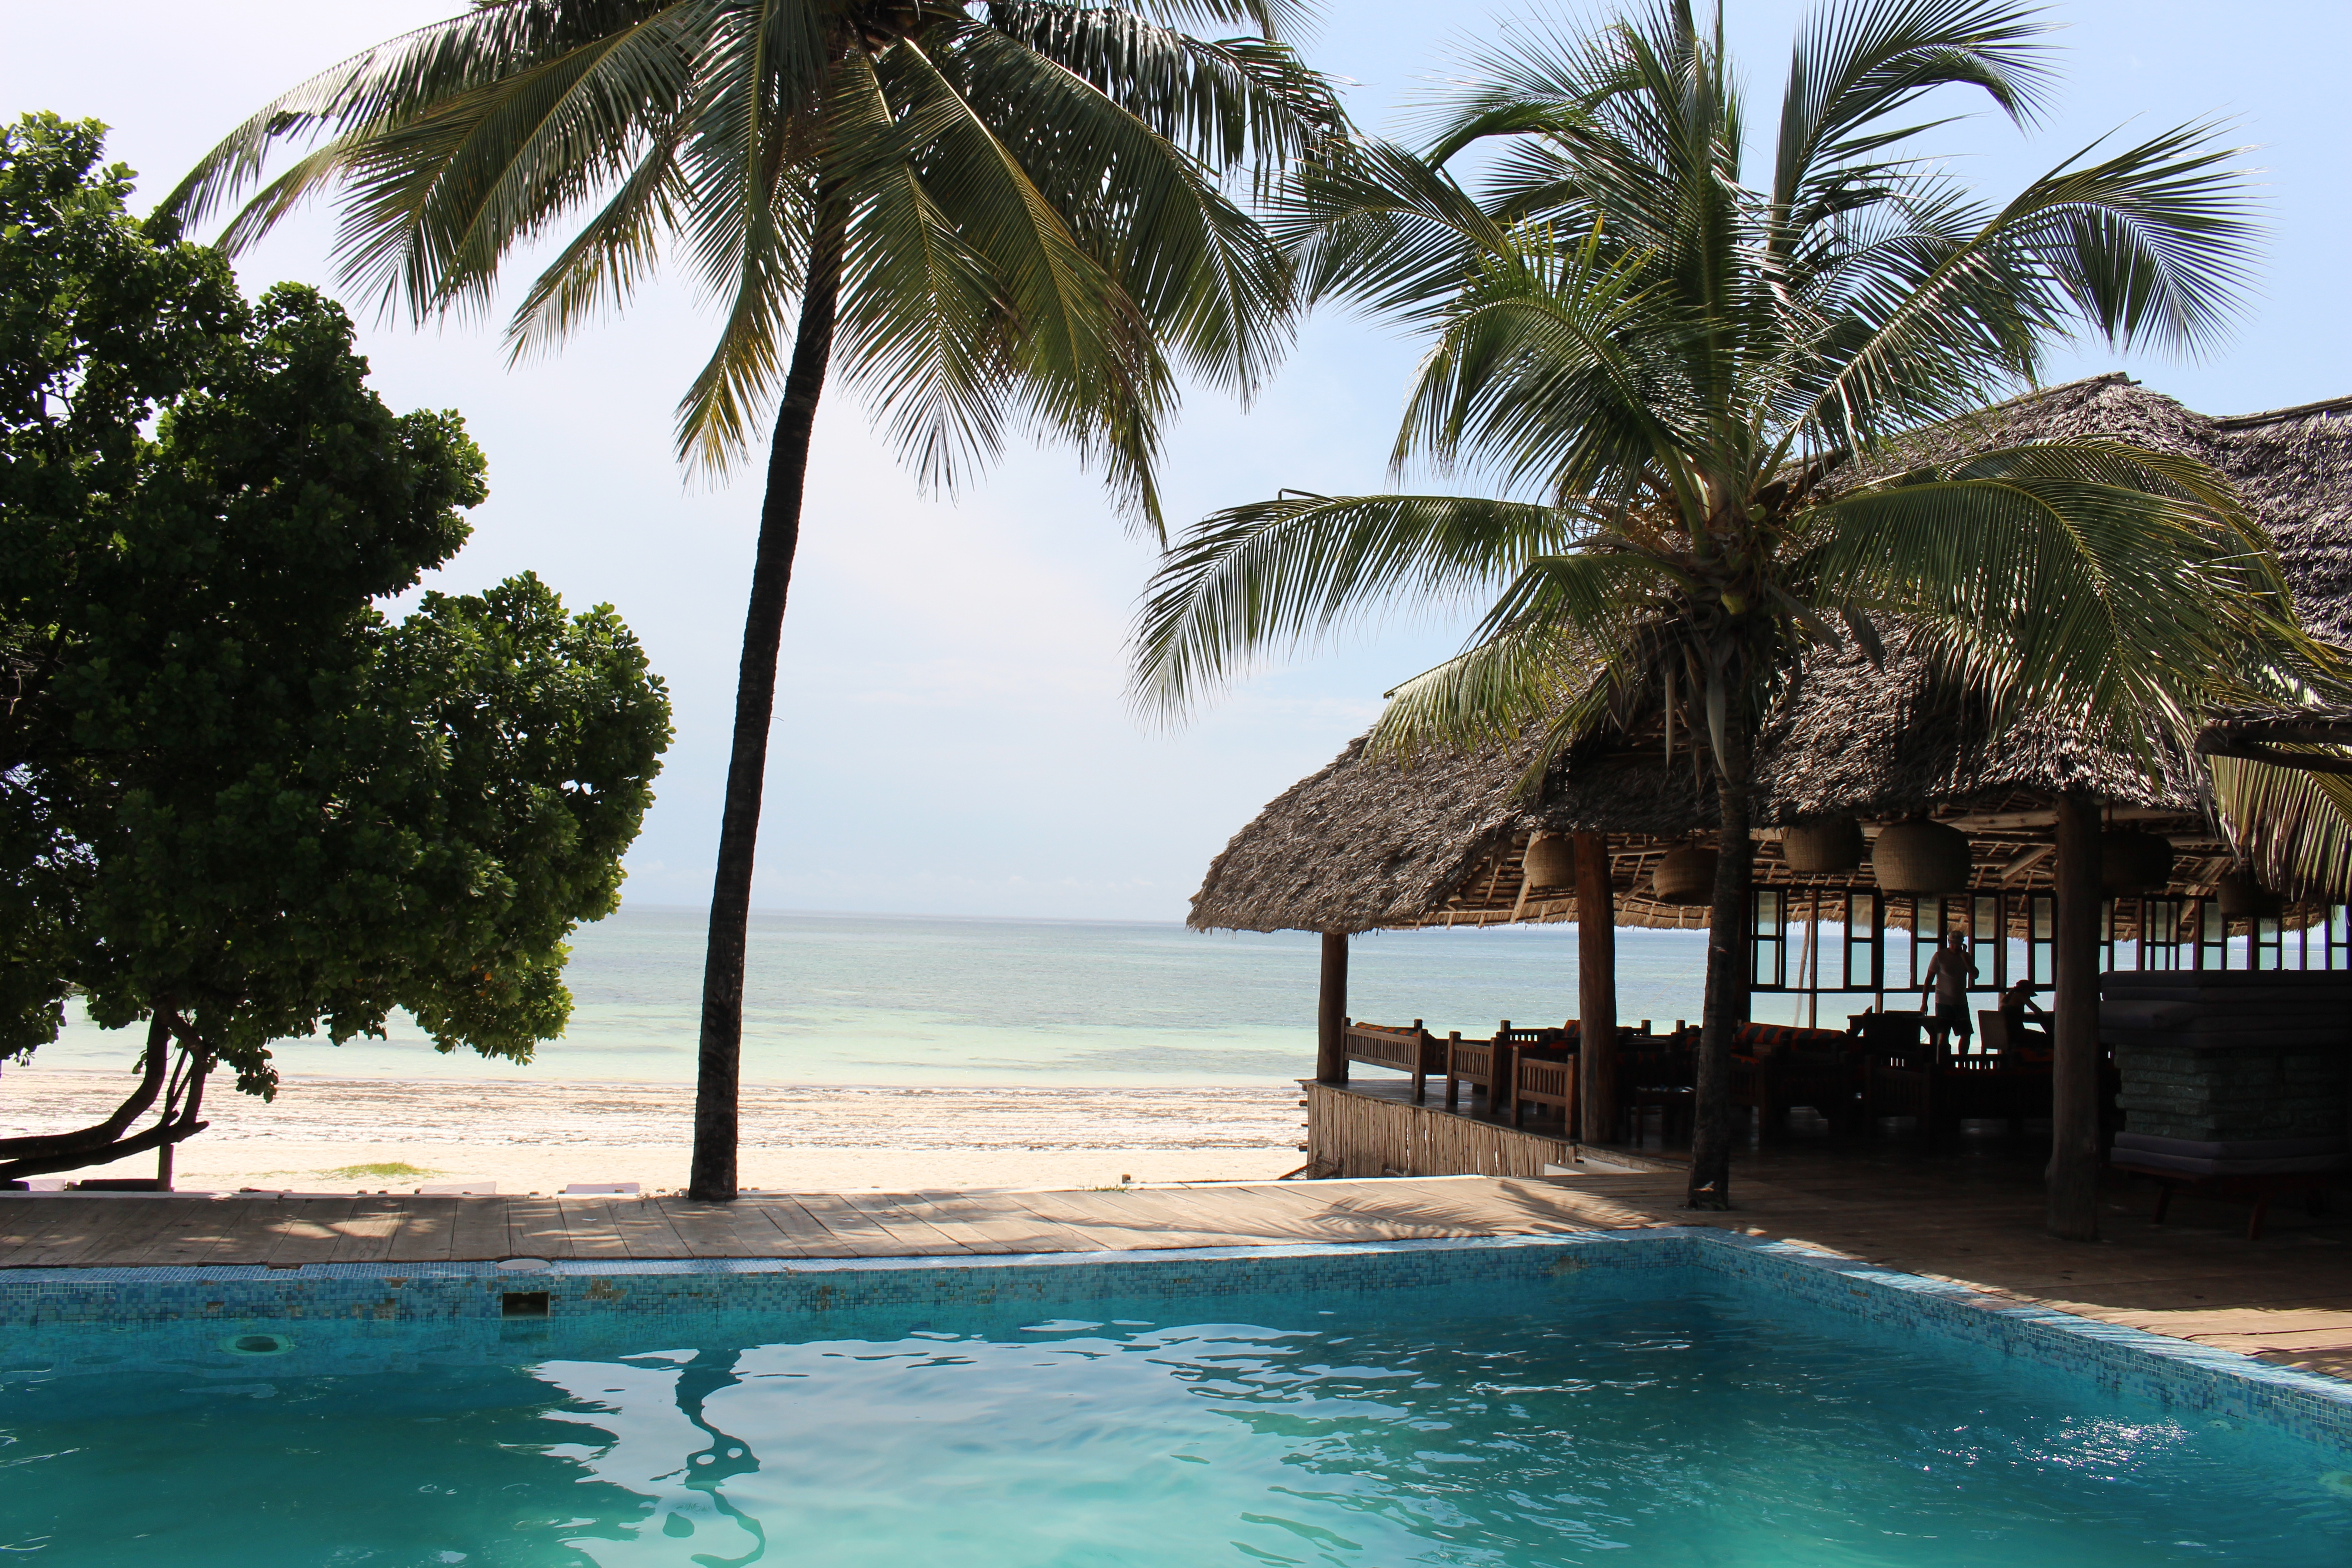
(1726, 981)
(719, 1065)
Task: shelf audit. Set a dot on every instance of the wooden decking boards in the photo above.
(2286, 1298)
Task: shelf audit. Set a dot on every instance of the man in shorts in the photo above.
(1949, 975)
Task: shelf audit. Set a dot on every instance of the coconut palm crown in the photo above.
(994, 216)
(1707, 394)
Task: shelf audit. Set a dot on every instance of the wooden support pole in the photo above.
(1596, 990)
(2074, 1179)
(1331, 1012)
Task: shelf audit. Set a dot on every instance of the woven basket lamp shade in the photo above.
(2133, 862)
(1550, 862)
(1686, 876)
(2243, 898)
(1823, 848)
(1920, 858)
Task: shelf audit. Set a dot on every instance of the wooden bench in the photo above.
(1414, 1051)
(1544, 1080)
(1481, 1065)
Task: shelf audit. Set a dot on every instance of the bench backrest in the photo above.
(1473, 1061)
(1414, 1049)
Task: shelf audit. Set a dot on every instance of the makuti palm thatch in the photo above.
(1369, 843)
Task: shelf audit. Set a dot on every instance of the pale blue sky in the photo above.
(951, 737)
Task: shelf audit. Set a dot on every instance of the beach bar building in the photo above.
(1891, 813)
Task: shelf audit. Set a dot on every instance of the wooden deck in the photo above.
(2287, 1298)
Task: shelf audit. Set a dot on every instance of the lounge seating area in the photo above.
(1881, 1065)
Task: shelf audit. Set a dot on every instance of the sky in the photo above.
(950, 734)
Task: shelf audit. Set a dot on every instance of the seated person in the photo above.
(2028, 1020)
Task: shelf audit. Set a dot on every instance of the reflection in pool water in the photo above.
(1688, 1431)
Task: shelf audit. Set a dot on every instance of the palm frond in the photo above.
(2081, 578)
(2292, 825)
(1286, 572)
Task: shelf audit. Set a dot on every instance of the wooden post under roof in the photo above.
(1596, 990)
(1331, 1012)
(2074, 1176)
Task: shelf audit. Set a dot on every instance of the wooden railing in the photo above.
(1414, 1050)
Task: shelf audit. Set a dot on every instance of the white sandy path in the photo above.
(543, 1136)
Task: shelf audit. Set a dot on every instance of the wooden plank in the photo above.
(1164, 1217)
(913, 1235)
(198, 1227)
(303, 1230)
(427, 1231)
(1001, 1225)
(864, 1233)
(370, 1231)
(103, 1230)
(708, 1230)
(645, 1231)
(588, 1222)
(1124, 1221)
(30, 1226)
(799, 1232)
(979, 1240)
(759, 1230)
(1272, 1214)
(477, 1231)
(148, 1221)
(535, 1228)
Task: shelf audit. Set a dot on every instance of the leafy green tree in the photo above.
(239, 803)
(994, 214)
(1695, 389)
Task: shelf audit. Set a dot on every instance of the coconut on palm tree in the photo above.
(995, 215)
(1691, 363)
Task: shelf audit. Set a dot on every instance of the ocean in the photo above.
(886, 999)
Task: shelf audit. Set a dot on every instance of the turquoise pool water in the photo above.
(1672, 1419)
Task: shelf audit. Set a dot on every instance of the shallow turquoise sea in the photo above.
(891, 999)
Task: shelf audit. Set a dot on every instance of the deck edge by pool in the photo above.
(2182, 1378)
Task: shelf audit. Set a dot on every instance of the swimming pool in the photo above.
(1666, 1398)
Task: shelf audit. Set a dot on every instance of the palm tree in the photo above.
(2282, 782)
(1000, 214)
(1689, 388)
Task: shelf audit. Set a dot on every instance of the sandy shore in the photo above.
(542, 1137)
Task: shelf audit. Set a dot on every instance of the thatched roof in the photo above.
(1363, 845)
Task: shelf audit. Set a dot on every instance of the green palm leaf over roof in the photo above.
(1725, 390)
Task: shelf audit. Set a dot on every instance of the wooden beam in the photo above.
(1331, 1012)
(2073, 1177)
(1596, 990)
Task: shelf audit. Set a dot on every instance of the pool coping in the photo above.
(2181, 1376)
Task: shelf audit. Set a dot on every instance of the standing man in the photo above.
(1949, 975)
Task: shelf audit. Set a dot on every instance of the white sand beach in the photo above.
(543, 1136)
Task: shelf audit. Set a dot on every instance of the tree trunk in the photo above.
(1726, 1006)
(2073, 1181)
(95, 1139)
(1596, 990)
(103, 1145)
(718, 1066)
(1332, 1011)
